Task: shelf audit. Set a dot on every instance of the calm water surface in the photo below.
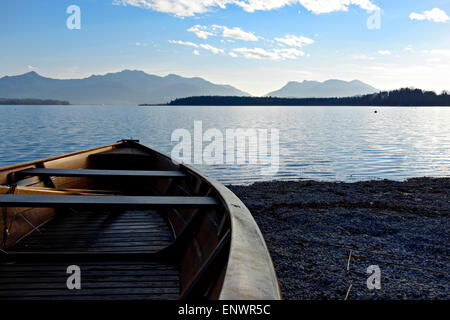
(321, 143)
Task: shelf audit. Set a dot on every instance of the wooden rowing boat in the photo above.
(137, 224)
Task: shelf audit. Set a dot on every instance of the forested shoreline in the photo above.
(7, 101)
(401, 97)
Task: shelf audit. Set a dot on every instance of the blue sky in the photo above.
(255, 45)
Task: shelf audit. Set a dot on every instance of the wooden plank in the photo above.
(93, 267)
(53, 236)
(105, 227)
(147, 264)
(122, 151)
(100, 291)
(91, 285)
(99, 217)
(103, 233)
(84, 254)
(102, 238)
(151, 228)
(94, 245)
(107, 224)
(14, 276)
(109, 297)
(93, 278)
(93, 202)
(68, 190)
(46, 172)
(38, 237)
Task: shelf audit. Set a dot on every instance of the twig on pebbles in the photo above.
(348, 291)
(348, 262)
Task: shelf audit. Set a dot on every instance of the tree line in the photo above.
(6, 101)
(400, 97)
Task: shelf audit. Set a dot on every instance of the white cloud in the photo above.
(234, 55)
(184, 43)
(196, 52)
(409, 48)
(436, 15)
(187, 8)
(438, 52)
(275, 54)
(234, 33)
(211, 48)
(238, 34)
(180, 8)
(295, 41)
(256, 53)
(203, 46)
(141, 44)
(201, 31)
(384, 52)
(290, 53)
(262, 5)
(441, 52)
(327, 6)
(361, 57)
(316, 6)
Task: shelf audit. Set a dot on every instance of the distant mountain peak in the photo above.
(173, 76)
(25, 76)
(357, 81)
(31, 74)
(326, 89)
(129, 71)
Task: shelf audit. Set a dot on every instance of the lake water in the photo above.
(320, 143)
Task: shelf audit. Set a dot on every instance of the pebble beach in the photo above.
(324, 236)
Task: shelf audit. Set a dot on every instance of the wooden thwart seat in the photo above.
(82, 256)
(101, 202)
(46, 172)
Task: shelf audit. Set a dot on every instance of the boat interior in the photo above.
(138, 225)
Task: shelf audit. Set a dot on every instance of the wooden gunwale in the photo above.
(34, 162)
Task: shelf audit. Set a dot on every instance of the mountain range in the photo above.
(131, 87)
(128, 87)
(326, 89)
